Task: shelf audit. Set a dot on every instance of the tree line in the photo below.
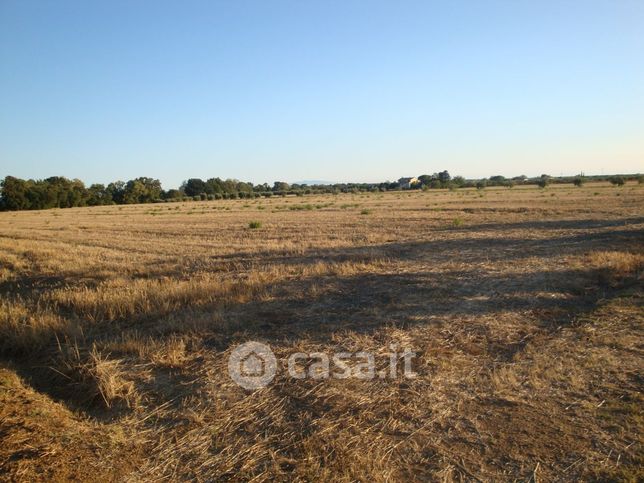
(61, 192)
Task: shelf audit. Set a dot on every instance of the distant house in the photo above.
(407, 183)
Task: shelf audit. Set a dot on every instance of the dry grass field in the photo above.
(524, 306)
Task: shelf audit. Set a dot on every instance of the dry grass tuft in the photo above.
(617, 266)
(96, 377)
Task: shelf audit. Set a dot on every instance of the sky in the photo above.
(342, 90)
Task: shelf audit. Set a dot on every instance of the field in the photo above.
(524, 307)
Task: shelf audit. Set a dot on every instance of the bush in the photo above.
(481, 184)
(616, 180)
(542, 183)
(579, 181)
(254, 225)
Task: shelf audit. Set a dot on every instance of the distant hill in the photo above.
(313, 181)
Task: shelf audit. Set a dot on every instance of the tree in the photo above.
(115, 191)
(444, 177)
(194, 187)
(214, 185)
(58, 192)
(142, 190)
(14, 194)
(134, 190)
(425, 179)
(579, 181)
(280, 186)
(98, 195)
(153, 189)
(172, 194)
(76, 193)
(458, 181)
(244, 187)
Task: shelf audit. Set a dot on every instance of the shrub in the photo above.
(542, 183)
(579, 181)
(254, 225)
(365, 212)
(616, 180)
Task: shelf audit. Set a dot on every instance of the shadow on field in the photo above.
(365, 303)
(316, 308)
(576, 224)
(471, 249)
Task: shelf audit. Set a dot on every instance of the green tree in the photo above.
(458, 181)
(116, 191)
(280, 186)
(14, 194)
(98, 195)
(444, 177)
(194, 187)
(142, 190)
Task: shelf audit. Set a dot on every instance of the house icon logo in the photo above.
(252, 365)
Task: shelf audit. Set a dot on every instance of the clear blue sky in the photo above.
(334, 90)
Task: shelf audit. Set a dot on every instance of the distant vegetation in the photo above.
(60, 192)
